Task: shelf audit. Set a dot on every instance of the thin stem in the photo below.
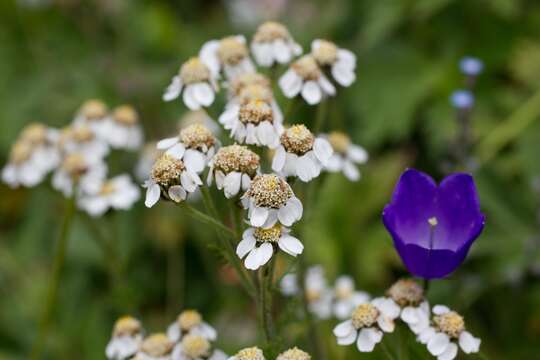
(320, 117)
(54, 282)
(462, 143)
(194, 213)
(265, 290)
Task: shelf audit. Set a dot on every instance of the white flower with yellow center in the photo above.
(306, 78)
(200, 117)
(123, 130)
(233, 167)
(32, 156)
(119, 193)
(259, 245)
(79, 170)
(126, 339)
(229, 55)
(272, 44)
(346, 155)
(190, 322)
(367, 323)
(93, 114)
(294, 354)
(82, 139)
(270, 199)
(172, 178)
(196, 347)
(195, 146)
(341, 62)
(239, 83)
(252, 353)
(253, 123)
(155, 347)
(196, 81)
(346, 297)
(409, 296)
(301, 154)
(446, 331)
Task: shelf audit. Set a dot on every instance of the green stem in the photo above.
(54, 282)
(202, 217)
(265, 306)
(320, 117)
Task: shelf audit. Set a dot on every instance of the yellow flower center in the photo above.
(107, 188)
(94, 109)
(243, 80)
(127, 326)
(326, 53)
(157, 345)
(270, 31)
(197, 136)
(81, 134)
(433, 221)
(167, 170)
(35, 134)
(297, 139)
(269, 190)
(194, 71)
(195, 346)
(406, 292)
(125, 115)
(365, 315)
(231, 51)
(340, 141)
(313, 295)
(294, 354)
(253, 353)
(236, 158)
(20, 152)
(75, 165)
(271, 234)
(255, 92)
(255, 112)
(306, 67)
(188, 319)
(451, 323)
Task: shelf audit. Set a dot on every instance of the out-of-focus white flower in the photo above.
(126, 339)
(258, 244)
(270, 199)
(301, 154)
(80, 138)
(119, 193)
(462, 99)
(233, 167)
(190, 322)
(272, 44)
(409, 296)
(471, 66)
(172, 178)
(253, 123)
(200, 117)
(155, 347)
(346, 155)
(147, 158)
(446, 332)
(79, 170)
(346, 297)
(123, 130)
(367, 324)
(196, 347)
(32, 156)
(197, 82)
(306, 78)
(294, 354)
(250, 13)
(93, 113)
(341, 62)
(229, 55)
(252, 353)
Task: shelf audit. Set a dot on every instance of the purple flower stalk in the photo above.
(433, 226)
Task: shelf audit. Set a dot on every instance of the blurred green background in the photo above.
(54, 54)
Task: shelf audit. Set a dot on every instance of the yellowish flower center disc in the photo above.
(365, 315)
(75, 165)
(35, 134)
(20, 152)
(294, 354)
(188, 319)
(232, 51)
(157, 345)
(340, 141)
(270, 31)
(252, 353)
(167, 170)
(270, 191)
(94, 109)
(194, 71)
(236, 158)
(255, 112)
(197, 136)
(326, 53)
(255, 92)
(406, 292)
(126, 115)
(297, 139)
(271, 234)
(451, 323)
(127, 325)
(195, 346)
(306, 67)
(243, 80)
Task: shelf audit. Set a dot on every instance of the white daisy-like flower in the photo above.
(147, 158)
(367, 324)
(82, 139)
(341, 62)
(196, 81)
(272, 44)
(259, 245)
(346, 156)
(305, 77)
(233, 167)
(446, 332)
(190, 322)
(301, 154)
(229, 55)
(93, 113)
(79, 170)
(126, 339)
(270, 199)
(119, 193)
(32, 156)
(252, 353)
(195, 145)
(196, 347)
(155, 347)
(123, 130)
(171, 178)
(409, 296)
(200, 117)
(253, 123)
(294, 354)
(346, 297)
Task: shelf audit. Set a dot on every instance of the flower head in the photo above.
(252, 353)
(240, 82)
(229, 54)
(83, 138)
(190, 322)
(122, 129)
(79, 170)
(195, 346)
(462, 99)
(341, 62)
(118, 193)
(126, 339)
(347, 298)
(471, 66)
(155, 347)
(272, 44)
(346, 155)
(433, 226)
(294, 354)
(93, 110)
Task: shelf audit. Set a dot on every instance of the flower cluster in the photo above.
(254, 353)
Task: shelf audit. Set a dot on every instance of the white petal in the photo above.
(187, 182)
(263, 54)
(450, 353)
(290, 83)
(258, 216)
(311, 92)
(385, 323)
(287, 215)
(266, 251)
(177, 151)
(409, 315)
(177, 193)
(246, 245)
(173, 332)
(344, 75)
(173, 90)
(327, 86)
(281, 51)
(440, 309)
(426, 335)
(468, 343)
(189, 98)
(306, 168)
(344, 329)
(266, 134)
(351, 171)
(357, 154)
(366, 340)
(438, 344)
(152, 195)
(167, 143)
(194, 160)
(323, 150)
(231, 184)
(290, 245)
(279, 159)
(203, 93)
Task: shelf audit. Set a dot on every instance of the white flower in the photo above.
(233, 167)
(200, 117)
(409, 296)
(118, 193)
(367, 324)
(342, 62)
(82, 139)
(253, 123)
(346, 156)
(122, 129)
(190, 322)
(273, 43)
(196, 81)
(78, 169)
(229, 55)
(252, 353)
(346, 297)
(258, 245)
(306, 78)
(32, 157)
(93, 114)
(446, 332)
(126, 339)
(172, 178)
(471, 66)
(155, 347)
(196, 347)
(301, 154)
(294, 354)
(270, 199)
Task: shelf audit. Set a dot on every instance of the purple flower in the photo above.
(462, 99)
(433, 226)
(471, 66)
